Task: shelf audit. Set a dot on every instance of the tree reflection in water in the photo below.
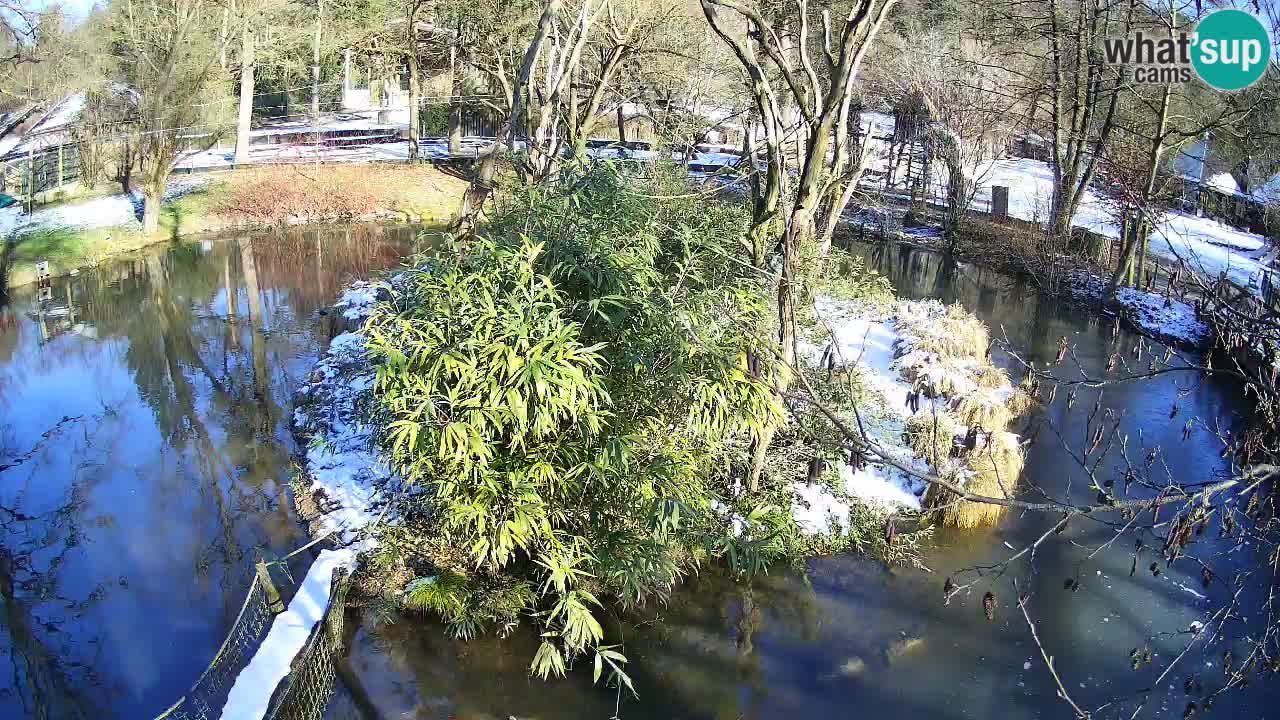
(127, 536)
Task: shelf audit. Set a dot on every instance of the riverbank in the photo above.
(1158, 315)
(82, 232)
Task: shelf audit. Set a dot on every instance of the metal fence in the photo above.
(38, 172)
(305, 692)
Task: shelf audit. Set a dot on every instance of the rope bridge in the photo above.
(305, 691)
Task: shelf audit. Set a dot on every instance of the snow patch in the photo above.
(1164, 318)
(357, 302)
(873, 342)
(251, 693)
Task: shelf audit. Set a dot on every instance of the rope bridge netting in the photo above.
(204, 700)
(305, 691)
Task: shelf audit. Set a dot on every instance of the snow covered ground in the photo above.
(398, 151)
(874, 342)
(103, 211)
(347, 474)
(1169, 320)
(1204, 245)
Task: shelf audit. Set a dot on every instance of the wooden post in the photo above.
(273, 596)
(60, 166)
(31, 179)
(999, 202)
(337, 599)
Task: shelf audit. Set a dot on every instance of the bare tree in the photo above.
(167, 55)
(824, 100)
(472, 211)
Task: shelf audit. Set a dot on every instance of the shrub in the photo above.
(564, 388)
(302, 193)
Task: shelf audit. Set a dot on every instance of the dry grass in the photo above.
(310, 193)
(1020, 405)
(948, 358)
(984, 409)
(992, 470)
(932, 435)
(953, 333)
(992, 377)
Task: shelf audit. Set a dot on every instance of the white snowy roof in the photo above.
(1268, 192)
(1223, 182)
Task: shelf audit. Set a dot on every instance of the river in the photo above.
(164, 383)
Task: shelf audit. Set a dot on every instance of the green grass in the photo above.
(70, 248)
(418, 194)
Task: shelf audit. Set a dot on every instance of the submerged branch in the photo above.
(1254, 475)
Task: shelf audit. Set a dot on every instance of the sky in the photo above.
(74, 9)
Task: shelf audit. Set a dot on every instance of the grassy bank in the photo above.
(252, 197)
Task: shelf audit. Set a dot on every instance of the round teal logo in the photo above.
(1231, 49)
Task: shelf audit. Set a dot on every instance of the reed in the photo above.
(993, 470)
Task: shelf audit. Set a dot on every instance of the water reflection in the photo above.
(145, 454)
(848, 638)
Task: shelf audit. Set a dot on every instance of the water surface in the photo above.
(846, 637)
(145, 418)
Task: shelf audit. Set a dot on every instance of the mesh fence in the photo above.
(305, 692)
(46, 170)
(205, 699)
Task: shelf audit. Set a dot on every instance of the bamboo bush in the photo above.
(564, 389)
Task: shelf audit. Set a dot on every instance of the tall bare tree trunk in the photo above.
(622, 124)
(455, 103)
(315, 64)
(415, 130)
(472, 211)
(245, 117)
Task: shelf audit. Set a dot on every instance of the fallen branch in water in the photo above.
(1048, 660)
(16, 461)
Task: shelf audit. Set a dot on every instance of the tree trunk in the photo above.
(245, 118)
(787, 349)
(471, 214)
(415, 131)
(622, 124)
(455, 104)
(315, 64)
(151, 198)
